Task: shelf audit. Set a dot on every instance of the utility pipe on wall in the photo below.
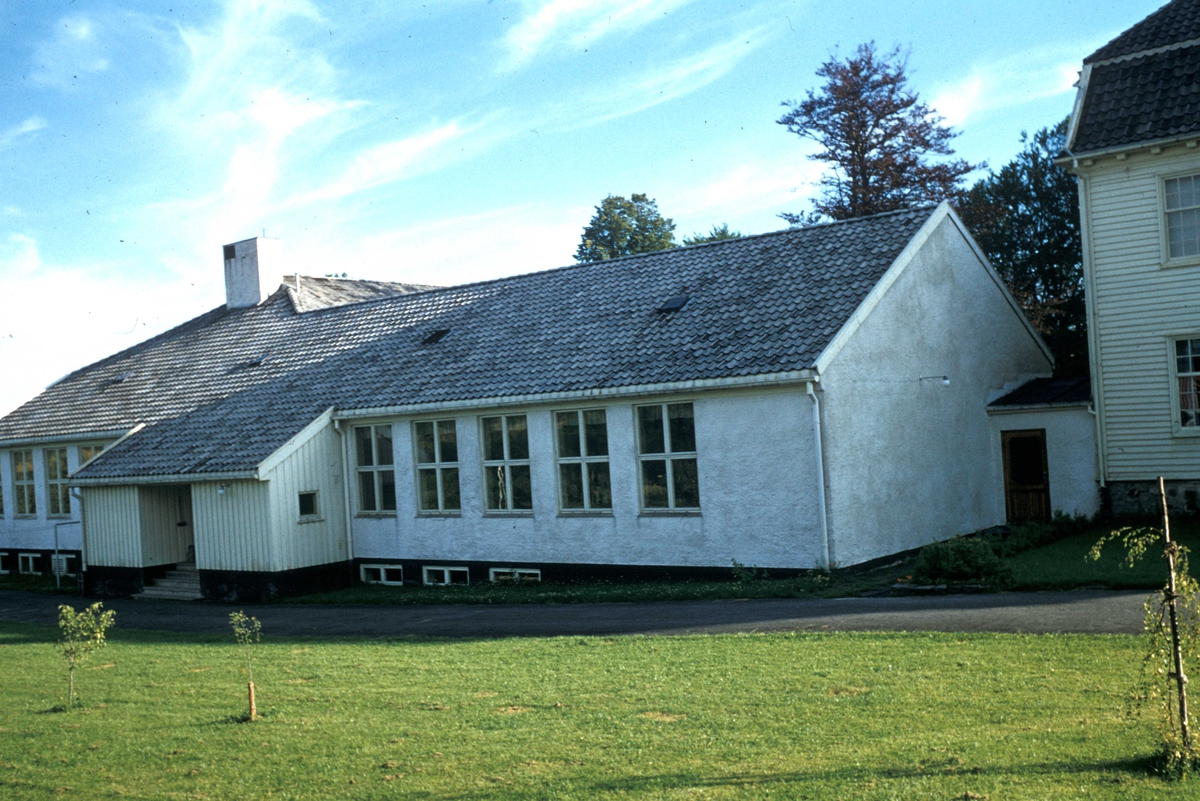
(816, 400)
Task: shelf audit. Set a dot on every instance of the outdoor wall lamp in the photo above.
(220, 489)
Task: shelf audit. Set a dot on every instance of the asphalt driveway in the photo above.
(1087, 612)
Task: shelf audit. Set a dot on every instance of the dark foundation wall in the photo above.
(255, 587)
(1140, 498)
(117, 581)
(567, 573)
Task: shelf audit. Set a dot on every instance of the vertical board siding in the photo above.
(1139, 305)
(315, 466)
(233, 529)
(164, 541)
(112, 524)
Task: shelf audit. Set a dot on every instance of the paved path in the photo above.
(1089, 612)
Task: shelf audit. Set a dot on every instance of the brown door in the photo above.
(1026, 478)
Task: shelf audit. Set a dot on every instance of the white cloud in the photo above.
(30, 125)
(753, 185)
(577, 24)
(71, 50)
(1011, 81)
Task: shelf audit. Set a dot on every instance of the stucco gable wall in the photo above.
(908, 459)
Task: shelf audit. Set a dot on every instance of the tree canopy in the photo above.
(877, 137)
(715, 234)
(1026, 219)
(625, 226)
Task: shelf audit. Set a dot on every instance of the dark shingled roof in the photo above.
(1173, 23)
(758, 305)
(1140, 99)
(1048, 392)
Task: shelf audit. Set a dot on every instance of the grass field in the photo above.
(872, 716)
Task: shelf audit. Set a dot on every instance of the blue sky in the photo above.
(438, 142)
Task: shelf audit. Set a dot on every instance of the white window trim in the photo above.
(52, 485)
(376, 469)
(439, 466)
(65, 560)
(583, 459)
(1164, 237)
(520, 575)
(31, 482)
(99, 449)
(1177, 430)
(21, 564)
(507, 463)
(362, 573)
(446, 569)
(316, 516)
(671, 508)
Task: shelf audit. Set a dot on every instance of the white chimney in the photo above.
(253, 270)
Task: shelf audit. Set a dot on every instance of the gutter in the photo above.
(173, 478)
(83, 436)
(1072, 159)
(816, 409)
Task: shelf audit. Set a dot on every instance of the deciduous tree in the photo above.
(878, 138)
(715, 234)
(625, 226)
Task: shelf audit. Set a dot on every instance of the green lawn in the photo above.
(871, 716)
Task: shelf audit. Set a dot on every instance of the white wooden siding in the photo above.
(112, 521)
(315, 465)
(233, 529)
(1138, 305)
(164, 541)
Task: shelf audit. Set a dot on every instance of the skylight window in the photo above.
(436, 337)
(674, 304)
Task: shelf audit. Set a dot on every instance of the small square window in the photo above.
(62, 565)
(381, 574)
(5, 563)
(441, 576)
(27, 564)
(308, 504)
(514, 575)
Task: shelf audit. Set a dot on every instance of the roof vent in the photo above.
(436, 337)
(674, 304)
(256, 361)
(119, 379)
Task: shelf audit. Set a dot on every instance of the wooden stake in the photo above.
(253, 708)
(1176, 650)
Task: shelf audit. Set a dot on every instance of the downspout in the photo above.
(816, 410)
(1096, 368)
(346, 497)
(83, 549)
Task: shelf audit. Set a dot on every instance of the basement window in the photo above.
(436, 337)
(444, 576)
(514, 575)
(381, 574)
(27, 564)
(4, 563)
(308, 506)
(61, 565)
(674, 304)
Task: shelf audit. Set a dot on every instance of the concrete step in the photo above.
(180, 584)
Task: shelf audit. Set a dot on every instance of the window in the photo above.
(61, 565)
(27, 564)
(376, 474)
(1, 493)
(58, 496)
(4, 563)
(308, 505)
(89, 452)
(667, 452)
(1182, 197)
(506, 463)
(514, 575)
(1187, 382)
(437, 466)
(446, 575)
(381, 574)
(26, 500)
(582, 440)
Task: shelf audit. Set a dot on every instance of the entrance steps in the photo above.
(180, 584)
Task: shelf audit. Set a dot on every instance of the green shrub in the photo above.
(960, 560)
(1027, 536)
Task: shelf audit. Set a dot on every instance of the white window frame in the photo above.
(57, 491)
(22, 559)
(583, 460)
(439, 466)
(1177, 427)
(97, 448)
(506, 464)
(25, 489)
(445, 571)
(514, 575)
(383, 569)
(376, 469)
(316, 515)
(669, 456)
(63, 559)
(1163, 211)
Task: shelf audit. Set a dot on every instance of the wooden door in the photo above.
(1026, 476)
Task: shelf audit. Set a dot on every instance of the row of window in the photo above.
(666, 452)
(436, 575)
(58, 494)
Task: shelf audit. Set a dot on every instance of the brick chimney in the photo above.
(253, 270)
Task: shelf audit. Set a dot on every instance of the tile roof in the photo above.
(758, 305)
(1173, 23)
(1048, 392)
(1141, 99)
